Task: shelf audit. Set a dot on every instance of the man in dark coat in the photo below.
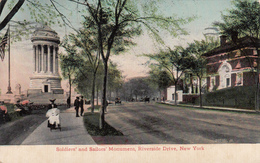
(68, 102)
(76, 104)
(81, 105)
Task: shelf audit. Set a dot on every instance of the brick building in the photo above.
(232, 64)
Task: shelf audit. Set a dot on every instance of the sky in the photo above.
(130, 63)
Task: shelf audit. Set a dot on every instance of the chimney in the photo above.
(223, 40)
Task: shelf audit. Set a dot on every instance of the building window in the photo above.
(213, 81)
(174, 96)
(239, 79)
(228, 82)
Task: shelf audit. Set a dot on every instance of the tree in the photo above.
(244, 20)
(10, 15)
(159, 77)
(115, 79)
(41, 13)
(86, 41)
(137, 87)
(174, 62)
(118, 21)
(69, 63)
(198, 63)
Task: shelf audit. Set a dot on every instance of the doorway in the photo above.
(46, 88)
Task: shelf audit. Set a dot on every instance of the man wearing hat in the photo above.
(76, 104)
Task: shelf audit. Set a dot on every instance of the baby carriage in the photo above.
(53, 118)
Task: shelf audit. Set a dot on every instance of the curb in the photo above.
(214, 108)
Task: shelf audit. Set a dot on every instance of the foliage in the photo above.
(13, 10)
(196, 50)
(115, 79)
(118, 21)
(173, 61)
(243, 19)
(159, 77)
(231, 97)
(137, 88)
(35, 13)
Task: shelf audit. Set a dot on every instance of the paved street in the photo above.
(161, 124)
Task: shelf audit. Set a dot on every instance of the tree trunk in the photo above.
(70, 83)
(257, 83)
(102, 111)
(175, 90)
(97, 96)
(175, 93)
(200, 92)
(93, 93)
(160, 96)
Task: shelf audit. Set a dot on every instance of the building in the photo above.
(233, 63)
(171, 94)
(45, 82)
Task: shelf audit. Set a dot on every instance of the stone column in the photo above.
(54, 59)
(49, 59)
(42, 58)
(38, 59)
(34, 58)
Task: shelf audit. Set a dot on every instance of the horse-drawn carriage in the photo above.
(146, 99)
(117, 101)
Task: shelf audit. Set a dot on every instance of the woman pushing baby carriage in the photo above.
(53, 115)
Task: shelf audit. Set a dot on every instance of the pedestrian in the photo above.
(76, 104)
(68, 102)
(81, 105)
(52, 103)
(4, 117)
(53, 115)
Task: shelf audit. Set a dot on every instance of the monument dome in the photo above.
(45, 79)
(45, 33)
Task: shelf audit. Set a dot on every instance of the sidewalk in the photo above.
(215, 108)
(72, 132)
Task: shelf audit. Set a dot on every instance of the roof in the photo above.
(243, 42)
(45, 33)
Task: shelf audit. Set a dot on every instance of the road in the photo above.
(143, 123)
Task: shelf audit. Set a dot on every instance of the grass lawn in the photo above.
(97, 107)
(91, 122)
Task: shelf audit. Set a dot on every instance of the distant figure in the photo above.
(3, 113)
(68, 102)
(81, 105)
(193, 100)
(146, 99)
(76, 104)
(52, 103)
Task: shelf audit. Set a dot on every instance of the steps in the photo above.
(44, 98)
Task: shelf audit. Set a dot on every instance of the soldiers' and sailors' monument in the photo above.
(45, 82)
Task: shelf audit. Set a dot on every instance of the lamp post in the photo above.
(9, 68)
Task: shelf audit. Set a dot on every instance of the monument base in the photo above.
(8, 98)
(39, 97)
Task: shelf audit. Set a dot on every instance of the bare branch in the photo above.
(11, 14)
